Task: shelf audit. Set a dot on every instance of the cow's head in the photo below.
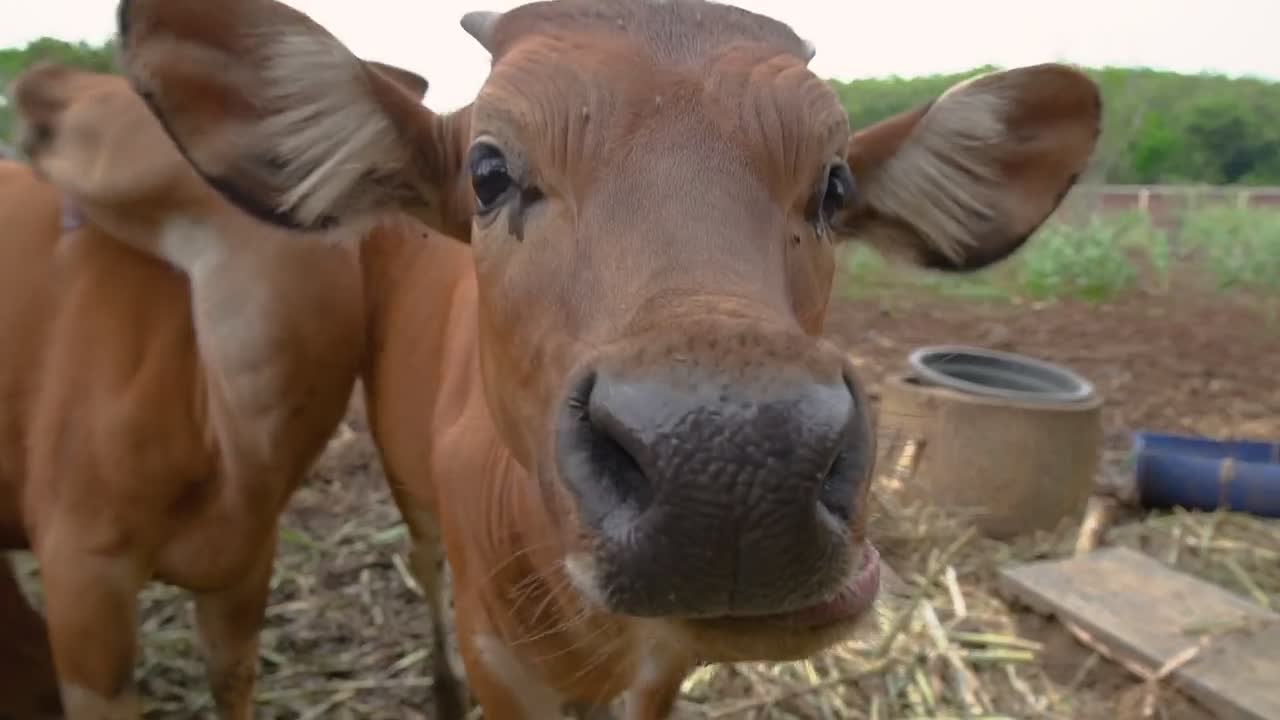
(653, 192)
(89, 133)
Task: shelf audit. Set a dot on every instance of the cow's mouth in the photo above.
(848, 604)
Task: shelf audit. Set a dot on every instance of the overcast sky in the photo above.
(855, 38)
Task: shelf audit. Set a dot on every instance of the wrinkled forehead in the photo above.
(673, 30)
(606, 72)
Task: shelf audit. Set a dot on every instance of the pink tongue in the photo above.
(856, 597)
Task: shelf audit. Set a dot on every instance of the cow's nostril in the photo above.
(848, 469)
(618, 468)
(837, 493)
(601, 470)
(580, 396)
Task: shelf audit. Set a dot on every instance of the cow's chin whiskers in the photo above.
(715, 640)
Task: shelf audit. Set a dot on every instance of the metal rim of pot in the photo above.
(1057, 384)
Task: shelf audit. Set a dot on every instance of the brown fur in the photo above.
(171, 368)
(670, 158)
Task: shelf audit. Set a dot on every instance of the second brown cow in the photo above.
(170, 368)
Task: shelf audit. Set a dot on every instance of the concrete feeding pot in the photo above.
(1011, 440)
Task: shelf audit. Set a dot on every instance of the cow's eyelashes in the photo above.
(491, 177)
(839, 190)
(835, 192)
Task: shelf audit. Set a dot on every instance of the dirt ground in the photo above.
(346, 634)
(1181, 361)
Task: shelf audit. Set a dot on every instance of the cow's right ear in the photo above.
(284, 121)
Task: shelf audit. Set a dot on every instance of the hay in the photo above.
(1237, 551)
(346, 633)
(951, 647)
(942, 644)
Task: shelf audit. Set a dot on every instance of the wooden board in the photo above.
(1144, 611)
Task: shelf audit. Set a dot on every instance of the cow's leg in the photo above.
(229, 622)
(91, 605)
(426, 562)
(426, 559)
(28, 683)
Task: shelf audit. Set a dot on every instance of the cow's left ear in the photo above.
(963, 182)
(287, 123)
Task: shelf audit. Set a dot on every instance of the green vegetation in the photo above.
(1095, 260)
(1241, 248)
(1159, 127)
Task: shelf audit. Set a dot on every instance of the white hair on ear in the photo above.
(945, 179)
(326, 129)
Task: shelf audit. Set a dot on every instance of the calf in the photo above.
(169, 368)
(614, 409)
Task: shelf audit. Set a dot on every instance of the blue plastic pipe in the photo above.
(1202, 474)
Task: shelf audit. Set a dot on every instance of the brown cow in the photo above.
(615, 407)
(170, 369)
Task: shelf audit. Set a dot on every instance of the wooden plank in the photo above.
(1144, 611)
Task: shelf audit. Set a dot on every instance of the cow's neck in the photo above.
(264, 304)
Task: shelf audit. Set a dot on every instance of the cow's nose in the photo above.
(724, 482)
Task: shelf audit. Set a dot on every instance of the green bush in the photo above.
(1240, 247)
(1099, 259)
(1087, 261)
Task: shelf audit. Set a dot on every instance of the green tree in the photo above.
(1235, 144)
(1156, 150)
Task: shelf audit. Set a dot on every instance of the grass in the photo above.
(1230, 249)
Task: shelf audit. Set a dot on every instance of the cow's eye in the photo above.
(490, 176)
(839, 191)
